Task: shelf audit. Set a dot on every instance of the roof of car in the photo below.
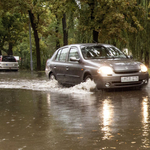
(87, 44)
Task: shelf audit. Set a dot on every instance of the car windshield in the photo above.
(99, 52)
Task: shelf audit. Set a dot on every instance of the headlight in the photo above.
(105, 70)
(143, 68)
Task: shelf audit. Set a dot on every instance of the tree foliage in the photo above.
(124, 23)
(10, 31)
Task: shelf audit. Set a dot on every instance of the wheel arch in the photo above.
(50, 74)
(86, 74)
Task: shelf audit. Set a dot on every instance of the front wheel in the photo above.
(52, 77)
(88, 78)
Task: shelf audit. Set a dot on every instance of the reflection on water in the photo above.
(94, 118)
(145, 110)
(36, 120)
(107, 118)
(145, 121)
(48, 99)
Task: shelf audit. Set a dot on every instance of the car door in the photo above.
(74, 69)
(59, 65)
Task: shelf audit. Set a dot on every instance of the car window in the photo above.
(0, 58)
(8, 59)
(63, 54)
(58, 55)
(94, 52)
(73, 53)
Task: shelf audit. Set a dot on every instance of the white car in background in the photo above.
(8, 63)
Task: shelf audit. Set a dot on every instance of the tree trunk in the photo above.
(65, 32)
(36, 38)
(95, 33)
(56, 30)
(10, 52)
(95, 36)
(147, 59)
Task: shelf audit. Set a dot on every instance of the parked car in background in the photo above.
(108, 66)
(8, 63)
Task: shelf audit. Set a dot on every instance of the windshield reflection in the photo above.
(100, 52)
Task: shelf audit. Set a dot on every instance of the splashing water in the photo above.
(86, 86)
(44, 85)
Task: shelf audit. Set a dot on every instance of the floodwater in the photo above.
(37, 114)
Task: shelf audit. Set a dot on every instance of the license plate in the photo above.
(130, 79)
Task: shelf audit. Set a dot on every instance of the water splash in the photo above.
(86, 86)
(44, 85)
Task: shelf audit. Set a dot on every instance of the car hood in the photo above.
(119, 65)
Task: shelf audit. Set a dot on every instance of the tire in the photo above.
(52, 77)
(87, 78)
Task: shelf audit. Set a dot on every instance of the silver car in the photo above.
(105, 64)
(8, 63)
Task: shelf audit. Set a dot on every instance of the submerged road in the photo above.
(36, 114)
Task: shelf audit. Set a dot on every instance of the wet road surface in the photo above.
(36, 114)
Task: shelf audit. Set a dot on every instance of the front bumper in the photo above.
(114, 81)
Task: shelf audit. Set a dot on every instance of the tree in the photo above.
(92, 6)
(65, 32)
(58, 8)
(56, 23)
(10, 31)
(38, 11)
(109, 19)
(140, 40)
(34, 25)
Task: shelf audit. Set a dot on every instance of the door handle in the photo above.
(67, 68)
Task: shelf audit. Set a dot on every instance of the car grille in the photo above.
(125, 72)
(117, 84)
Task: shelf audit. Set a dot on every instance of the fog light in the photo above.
(145, 81)
(108, 84)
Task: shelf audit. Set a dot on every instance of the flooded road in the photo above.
(36, 114)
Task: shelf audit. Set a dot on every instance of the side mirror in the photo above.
(130, 57)
(74, 59)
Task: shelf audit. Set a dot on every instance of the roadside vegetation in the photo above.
(54, 23)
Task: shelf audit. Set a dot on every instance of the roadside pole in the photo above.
(31, 62)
